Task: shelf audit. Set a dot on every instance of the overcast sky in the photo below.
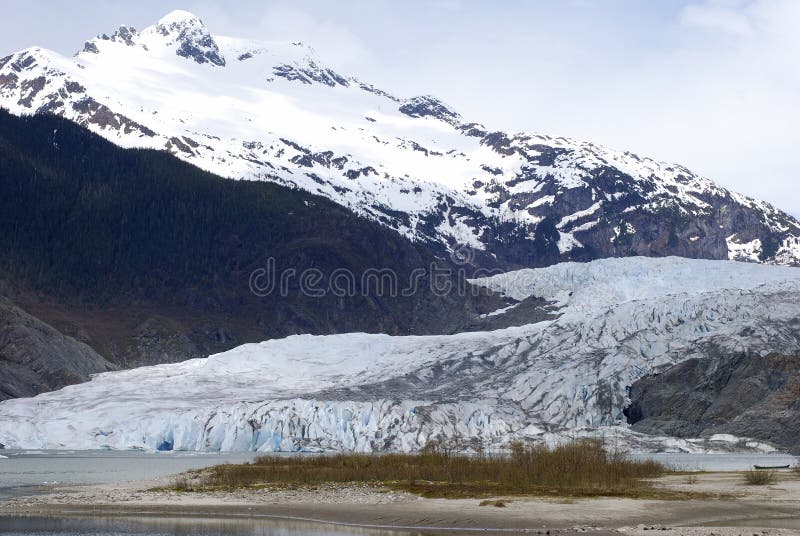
(712, 84)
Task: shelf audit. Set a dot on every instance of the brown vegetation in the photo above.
(760, 477)
(581, 468)
(497, 503)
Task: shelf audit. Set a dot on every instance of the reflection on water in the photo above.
(174, 526)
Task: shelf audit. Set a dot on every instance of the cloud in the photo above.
(335, 43)
(727, 92)
(714, 16)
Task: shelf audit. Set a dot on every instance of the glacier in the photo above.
(611, 322)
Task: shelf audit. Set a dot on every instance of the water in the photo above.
(717, 462)
(173, 526)
(24, 472)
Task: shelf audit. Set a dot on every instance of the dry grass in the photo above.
(760, 477)
(579, 469)
(182, 482)
(497, 503)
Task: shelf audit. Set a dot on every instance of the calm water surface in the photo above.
(22, 472)
(172, 526)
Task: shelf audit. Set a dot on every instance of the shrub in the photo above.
(580, 468)
(498, 504)
(759, 477)
(181, 483)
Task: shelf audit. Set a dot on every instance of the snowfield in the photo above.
(617, 320)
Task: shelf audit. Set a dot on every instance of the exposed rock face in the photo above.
(741, 394)
(191, 37)
(35, 357)
(125, 35)
(428, 106)
(92, 112)
(90, 48)
(310, 73)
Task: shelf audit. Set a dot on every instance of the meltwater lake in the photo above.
(23, 472)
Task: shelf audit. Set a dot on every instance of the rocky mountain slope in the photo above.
(150, 260)
(35, 357)
(742, 394)
(613, 322)
(274, 112)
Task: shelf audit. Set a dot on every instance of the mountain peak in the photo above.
(191, 36)
(179, 17)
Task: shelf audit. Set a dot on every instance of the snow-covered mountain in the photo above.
(273, 111)
(612, 322)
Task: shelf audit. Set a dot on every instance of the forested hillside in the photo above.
(148, 259)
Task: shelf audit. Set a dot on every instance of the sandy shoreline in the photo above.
(773, 510)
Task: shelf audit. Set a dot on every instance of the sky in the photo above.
(710, 84)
